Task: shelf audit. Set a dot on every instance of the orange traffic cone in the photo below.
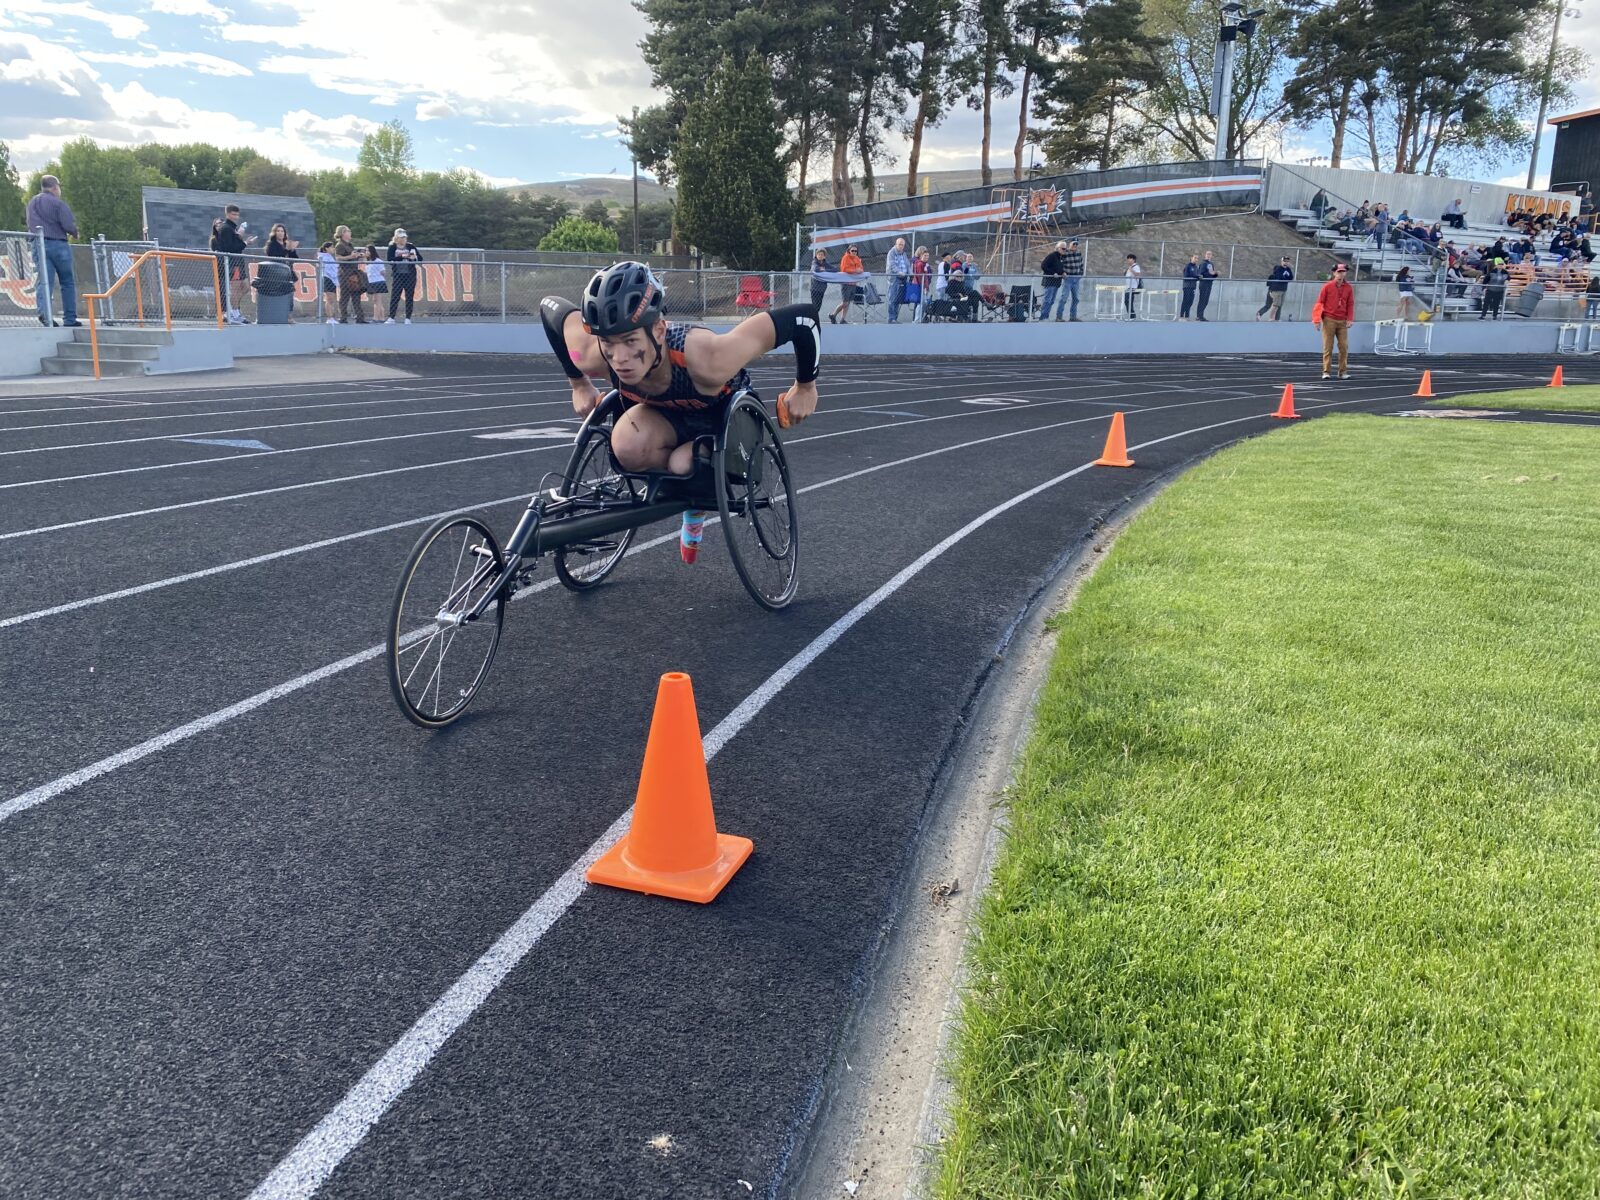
(672, 847)
(1426, 388)
(1286, 405)
(1116, 451)
(1555, 380)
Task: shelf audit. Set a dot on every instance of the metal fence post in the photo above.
(41, 278)
(1232, 250)
(1161, 260)
(502, 293)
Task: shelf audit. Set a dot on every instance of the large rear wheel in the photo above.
(756, 503)
(438, 658)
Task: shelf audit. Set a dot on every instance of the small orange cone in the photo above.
(1116, 451)
(1555, 380)
(672, 847)
(1286, 405)
(1426, 388)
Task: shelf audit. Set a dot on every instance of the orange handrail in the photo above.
(161, 257)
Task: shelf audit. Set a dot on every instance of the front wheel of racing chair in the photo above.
(755, 500)
(592, 474)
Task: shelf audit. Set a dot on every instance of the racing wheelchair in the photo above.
(450, 604)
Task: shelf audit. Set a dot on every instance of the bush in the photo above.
(576, 234)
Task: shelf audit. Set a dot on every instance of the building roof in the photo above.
(1588, 112)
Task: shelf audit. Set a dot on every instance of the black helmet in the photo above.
(621, 298)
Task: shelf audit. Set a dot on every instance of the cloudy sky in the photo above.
(519, 90)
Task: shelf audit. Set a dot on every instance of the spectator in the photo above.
(1494, 290)
(279, 244)
(819, 287)
(941, 277)
(1591, 298)
(49, 215)
(1585, 250)
(921, 280)
(1133, 280)
(850, 264)
(1072, 276)
(231, 243)
(1191, 280)
(1277, 288)
(330, 278)
(1408, 296)
(405, 258)
(1052, 271)
(1335, 309)
(1208, 277)
(1455, 215)
(969, 273)
(352, 278)
(897, 266)
(960, 291)
(377, 279)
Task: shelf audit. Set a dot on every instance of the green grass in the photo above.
(1583, 397)
(1301, 891)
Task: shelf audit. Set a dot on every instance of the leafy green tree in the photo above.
(939, 77)
(1041, 28)
(387, 151)
(596, 213)
(733, 197)
(532, 217)
(263, 177)
(197, 165)
(1087, 107)
(655, 226)
(575, 235)
(13, 204)
(339, 197)
(102, 184)
(1331, 53)
(991, 30)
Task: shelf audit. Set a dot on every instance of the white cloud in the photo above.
(348, 130)
(288, 37)
(121, 26)
(206, 64)
(190, 8)
(435, 110)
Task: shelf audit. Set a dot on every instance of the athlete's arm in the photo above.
(714, 358)
(577, 350)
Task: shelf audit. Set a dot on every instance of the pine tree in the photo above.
(1087, 106)
(13, 205)
(733, 197)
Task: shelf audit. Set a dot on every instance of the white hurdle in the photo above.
(1578, 337)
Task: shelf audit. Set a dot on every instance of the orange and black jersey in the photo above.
(681, 393)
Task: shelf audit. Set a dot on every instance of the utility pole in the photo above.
(1233, 22)
(1544, 91)
(633, 132)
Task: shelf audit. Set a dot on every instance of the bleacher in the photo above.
(1560, 278)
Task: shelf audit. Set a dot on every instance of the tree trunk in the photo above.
(1341, 119)
(1022, 111)
(803, 151)
(843, 193)
(916, 144)
(864, 140)
(988, 118)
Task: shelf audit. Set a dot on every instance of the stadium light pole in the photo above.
(1233, 22)
(1544, 90)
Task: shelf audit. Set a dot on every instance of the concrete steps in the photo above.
(128, 350)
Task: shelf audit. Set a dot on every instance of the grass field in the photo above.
(1301, 892)
(1573, 398)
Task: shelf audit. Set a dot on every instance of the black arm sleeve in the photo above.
(553, 311)
(797, 324)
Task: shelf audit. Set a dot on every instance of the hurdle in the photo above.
(1578, 337)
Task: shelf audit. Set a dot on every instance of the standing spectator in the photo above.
(921, 279)
(1071, 278)
(1591, 298)
(1208, 277)
(941, 277)
(1494, 289)
(377, 279)
(352, 278)
(1408, 295)
(1277, 288)
(850, 264)
(231, 243)
(1133, 280)
(1335, 309)
(898, 268)
(280, 245)
(1455, 215)
(48, 214)
(330, 276)
(1052, 271)
(819, 287)
(1191, 280)
(405, 258)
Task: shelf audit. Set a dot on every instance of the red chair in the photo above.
(752, 294)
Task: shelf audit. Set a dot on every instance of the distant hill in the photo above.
(892, 184)
(615, 190)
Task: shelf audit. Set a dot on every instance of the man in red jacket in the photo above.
(1336, 304)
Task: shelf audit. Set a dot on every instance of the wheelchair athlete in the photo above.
(676, 380)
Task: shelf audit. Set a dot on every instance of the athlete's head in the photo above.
(622, 307)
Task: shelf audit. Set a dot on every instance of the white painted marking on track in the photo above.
(543, 433)
(997, 400)
(304, 1170)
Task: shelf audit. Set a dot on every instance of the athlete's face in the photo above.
(631, 355)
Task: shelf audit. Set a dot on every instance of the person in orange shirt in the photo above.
(1335, 309)
(850, 264)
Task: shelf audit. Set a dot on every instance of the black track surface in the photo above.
(201, 951)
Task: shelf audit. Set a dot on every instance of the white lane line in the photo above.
(304, 1170)
(273, 491)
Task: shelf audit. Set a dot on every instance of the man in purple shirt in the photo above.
(48, 214)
